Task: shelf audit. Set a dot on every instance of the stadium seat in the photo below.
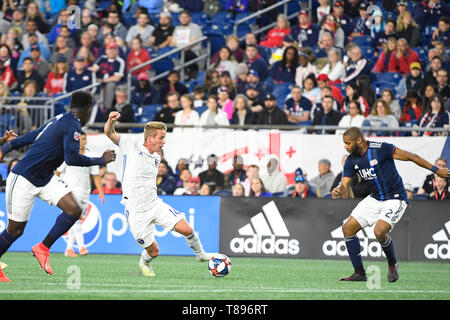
(242, 30)
(362, 41)
(200, 110)
(242, 15)
(223, 193)
(7, 122)
(163, 65)
(389, 77)
(200, 18)
(422, 52)
(222, 17)
(217, 42)
(280, 91)
(368, 52)
(149, 111)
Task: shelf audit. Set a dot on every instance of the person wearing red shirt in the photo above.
(324, 81)
(109, 184)
(55, 79)
(401, 59)
(274, 37)
(7, 75)
(137, 56)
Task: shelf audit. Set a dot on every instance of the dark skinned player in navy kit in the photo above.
(384, 207)
(33, 176)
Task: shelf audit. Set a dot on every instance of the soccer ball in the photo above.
(219, 265)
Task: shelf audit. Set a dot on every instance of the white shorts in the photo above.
(20, 195)
(83, 202)
(370, 210)
(142, 223)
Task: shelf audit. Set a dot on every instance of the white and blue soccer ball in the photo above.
(219, 265)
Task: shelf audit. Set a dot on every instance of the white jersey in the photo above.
(140, 170)
(79, 179)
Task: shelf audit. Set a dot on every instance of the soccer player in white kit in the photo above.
(79, 181)
(143, 208)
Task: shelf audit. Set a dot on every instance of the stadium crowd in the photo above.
(344, 63)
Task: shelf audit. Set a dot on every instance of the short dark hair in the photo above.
(81, 100)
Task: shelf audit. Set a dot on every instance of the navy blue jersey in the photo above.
(377, 167)
(51, 144)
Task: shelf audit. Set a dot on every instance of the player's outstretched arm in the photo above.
(109, 127)
(342, 188)
(403, 155)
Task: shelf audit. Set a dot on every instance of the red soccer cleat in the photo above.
(3, 278)
(41, 253)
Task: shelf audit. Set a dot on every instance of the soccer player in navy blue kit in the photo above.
(33, 176)
(384, 207)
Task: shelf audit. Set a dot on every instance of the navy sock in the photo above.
(6, 240)
(354, 252)
(63, 223)
(388, 248)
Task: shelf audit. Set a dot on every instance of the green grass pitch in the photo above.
(181, 277)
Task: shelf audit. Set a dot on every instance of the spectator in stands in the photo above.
(257, 189)
(14, 47)
(388, 96)
(236, 5)
(7, 75)
(211, 7)
(110, 70)
(4, 92)
(271, 114)
(255, 101)
(205, 190)
(238, 190)
(442, 189)
(40, 64)
(199, 96)
(402, 6)
(324, 81)
(301, 188)
(322, 11)
(380, 41)
(324, 91)
(344, 20)
(35, 14)
(324, 180)
(213, 177)
(123, 107)
(429, 93)
(232, 42)
(354, 117)
(17, 22)
(109, 184)
(33, 40)
(267, 17)
(431, 75)
(442, 33)
(224, 81)
(168, 113)
(274, 181)
(413, 81)
(351, 8)
(211, 81)
(382, 63)
(66, 33)
(436, 117)
(55, 80)
(28, 119)
(365, 89)
(144, 93)
(79, 77)
(142, 29)
(162, 35)
(88, 17)
(255, 62)
(401, 59)
(412, 109)
(361, 22)
(137, 56)
(326, 42)
(224, 101)
(327, 116)
(242, 113)
(311, 90)
(304, 68)
(274, 37)
(305, 32)
(182, 173)
(381, 116)
(60, 48)
(429, 185)
(173, 85)
(225, 62)
(334, 69)
(186, 116)
(357, 65)
(237, 175)
(109, 37)
(117, 27)
(250, 39)
(297, 107)
(186, 183)
(193, 186)
(185, 33)
(443, 87)
(165, 183)
(408, 29)
(252, 172)
(277, 53)
(428, 12)
(241, 77)
(331, 25)
(93, 30)
(213, 116)
(284, 71)
(441, 48)
(29, 73)
(62, 20)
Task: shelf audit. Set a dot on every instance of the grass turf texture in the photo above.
(181, 277)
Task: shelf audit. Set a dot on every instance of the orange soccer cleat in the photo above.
(42, 253)
(3, 278)
(83, 251)
(69, 253)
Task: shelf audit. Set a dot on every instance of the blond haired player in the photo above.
(143, 208)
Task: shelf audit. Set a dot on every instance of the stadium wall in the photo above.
(252, 227)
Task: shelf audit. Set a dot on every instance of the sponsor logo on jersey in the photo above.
(336, 247)
(440, 248)
(266, 234)
(373, 162)
(76, 136)
(367, 174)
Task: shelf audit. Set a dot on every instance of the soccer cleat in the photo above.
(355, 277)
(69, 253)
(3, 266)
(147, 270)
(42, 253)
(393, 273)
(3, 278)
(204, 256)
(83, 251)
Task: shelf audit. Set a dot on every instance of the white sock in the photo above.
(79, 236)
(194, 242)
(70, 240)
(145, 258)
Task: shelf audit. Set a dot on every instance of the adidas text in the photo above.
(437, 251)
(266, 245)
(338, 248)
